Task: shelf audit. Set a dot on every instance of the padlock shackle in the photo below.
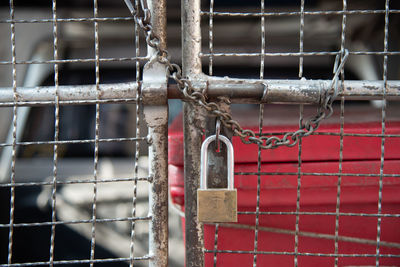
(204, 160)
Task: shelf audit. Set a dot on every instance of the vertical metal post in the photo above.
(191, 38)
(158, 10)
(192, 143)
(157, 122)
(193, 122)
(154, 94)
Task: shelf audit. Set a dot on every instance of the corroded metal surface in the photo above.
(237, 90)
(154, 90)
(157, 121)
(297, 91)
(193, 121)
(155, 110)
(287, 91)
(158, 9)
(191, 37)
(70, 94)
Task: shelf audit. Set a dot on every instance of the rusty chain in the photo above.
(247, 136)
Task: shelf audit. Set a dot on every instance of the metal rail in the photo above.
(76, 94)
(289, 91)
(237, 90)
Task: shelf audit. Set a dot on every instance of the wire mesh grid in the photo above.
(74, 186)
(331, 201)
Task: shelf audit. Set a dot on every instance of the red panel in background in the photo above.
(318, 193)
(315, 147)
(281, 190)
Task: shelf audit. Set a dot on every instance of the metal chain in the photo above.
(247, 136)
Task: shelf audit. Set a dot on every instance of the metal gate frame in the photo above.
(260, 91)
(150, 96)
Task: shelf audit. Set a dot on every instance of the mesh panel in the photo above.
(331, 200)
(74, 173)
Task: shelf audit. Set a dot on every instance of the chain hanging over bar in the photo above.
(247, 136)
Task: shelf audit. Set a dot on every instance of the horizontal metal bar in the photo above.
(104, 19)
(67, 102)
(86, 141)
(298, 13)
(146, 257)
(312, 235)
(338, 134)
(319, 174)
(290, 91)
(113, 180)
(239, 90)
(37, 224)
(73, 60)
(298, 54)
(252, 252)
(314, 213)
(80, 94)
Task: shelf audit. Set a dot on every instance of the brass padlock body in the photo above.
(217, 205)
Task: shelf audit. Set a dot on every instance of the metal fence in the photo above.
(76, 185)
(296, 207)
(325, 196)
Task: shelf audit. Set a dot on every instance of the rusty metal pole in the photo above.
(157, 122)
(193, 122)
(155, 109)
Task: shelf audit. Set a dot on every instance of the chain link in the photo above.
(247, 136)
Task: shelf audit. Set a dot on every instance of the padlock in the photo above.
(216, 204)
